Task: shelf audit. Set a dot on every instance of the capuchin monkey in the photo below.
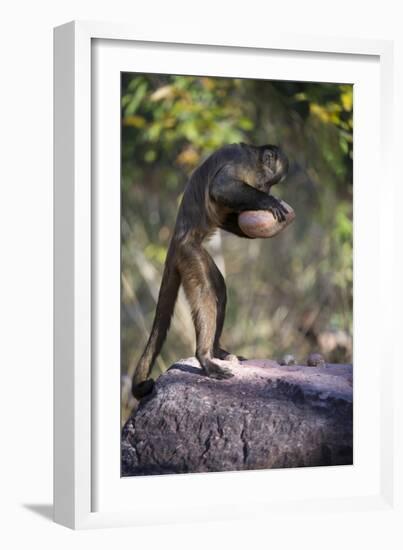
(235, 178)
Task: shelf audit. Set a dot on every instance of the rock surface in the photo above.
(266, 416)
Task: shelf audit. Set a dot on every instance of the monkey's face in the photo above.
(273, 167)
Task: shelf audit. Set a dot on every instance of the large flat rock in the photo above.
(266, 416)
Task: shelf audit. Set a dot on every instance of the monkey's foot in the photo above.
(227, 356)
(213, 370)
(142, 389)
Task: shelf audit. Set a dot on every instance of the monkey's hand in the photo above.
(278, 210)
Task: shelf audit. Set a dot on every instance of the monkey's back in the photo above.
(197, 215)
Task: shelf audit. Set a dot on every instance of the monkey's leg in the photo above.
(221, 293)
(201, 285)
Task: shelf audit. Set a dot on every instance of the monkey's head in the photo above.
(266, 166)
(272, 167)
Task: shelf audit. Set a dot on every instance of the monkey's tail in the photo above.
(162, 320)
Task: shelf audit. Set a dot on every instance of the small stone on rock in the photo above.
(315, 360)
(287, 360)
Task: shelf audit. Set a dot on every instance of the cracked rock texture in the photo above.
(266, 416)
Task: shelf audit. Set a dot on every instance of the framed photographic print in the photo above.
(214, 225)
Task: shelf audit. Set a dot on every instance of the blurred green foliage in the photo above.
(288, 294)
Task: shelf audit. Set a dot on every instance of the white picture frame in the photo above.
(87, 491)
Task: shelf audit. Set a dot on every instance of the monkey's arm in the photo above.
(231, 225)
(233, 193)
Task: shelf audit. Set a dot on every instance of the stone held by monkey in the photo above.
(261, 224)
(234, 179)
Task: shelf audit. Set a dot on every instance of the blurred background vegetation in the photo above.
(290, 294)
